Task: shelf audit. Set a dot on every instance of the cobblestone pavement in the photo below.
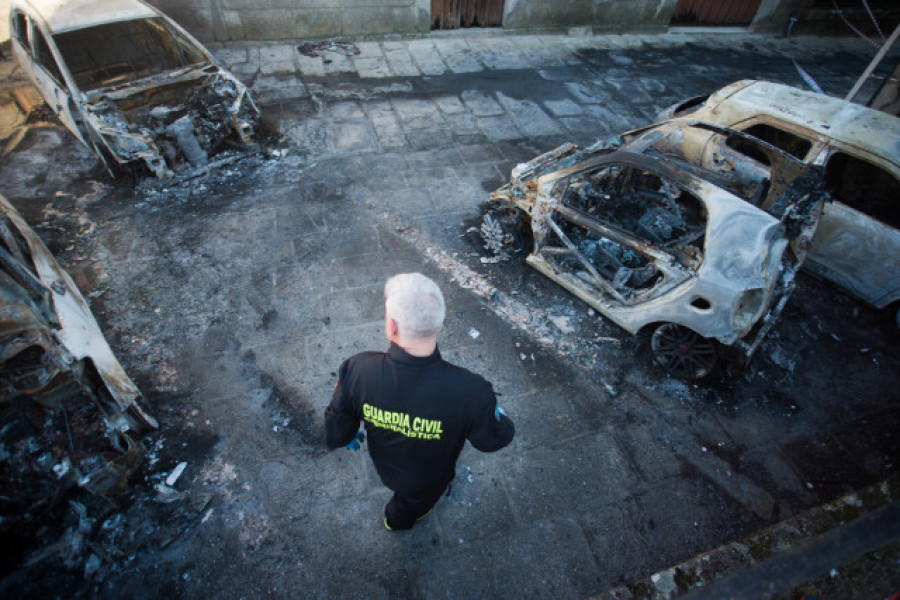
(233, 297)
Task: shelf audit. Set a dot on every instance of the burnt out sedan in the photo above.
(70, 417)
(702, 260)
(858, 237)
(130, 83)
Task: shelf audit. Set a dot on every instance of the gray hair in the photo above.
(415, 302)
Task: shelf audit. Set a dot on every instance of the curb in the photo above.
(783, 556)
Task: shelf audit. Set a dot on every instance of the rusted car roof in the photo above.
(64, 15)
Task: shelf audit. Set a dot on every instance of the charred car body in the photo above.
(858, 238)
(69, 411)
(704, 259)
(130, 83)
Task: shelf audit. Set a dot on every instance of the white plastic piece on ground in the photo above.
(175, 474)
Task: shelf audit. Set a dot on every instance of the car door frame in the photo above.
(57, 94)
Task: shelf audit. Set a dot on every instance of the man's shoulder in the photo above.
(463, 375)
(365, 357)
(368, 355)
(362, 361)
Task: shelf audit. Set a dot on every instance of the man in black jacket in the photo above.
(418, 409)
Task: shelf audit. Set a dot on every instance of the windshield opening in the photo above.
(125, 51)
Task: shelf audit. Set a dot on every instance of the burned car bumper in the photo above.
(70, 414)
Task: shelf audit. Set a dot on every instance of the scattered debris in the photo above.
(175, 474)
(166, 494)
(495, 239)
(562, 323)
(314, 49)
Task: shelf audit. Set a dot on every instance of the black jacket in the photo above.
(418, 413)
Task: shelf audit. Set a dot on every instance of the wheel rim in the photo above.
(682, 352)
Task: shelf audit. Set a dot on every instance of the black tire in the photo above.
(682, 352)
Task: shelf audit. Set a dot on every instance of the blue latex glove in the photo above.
(356, 441)
(499, 411)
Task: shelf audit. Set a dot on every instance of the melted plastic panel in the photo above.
(124, 51)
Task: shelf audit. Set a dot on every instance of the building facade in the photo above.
(267, 20)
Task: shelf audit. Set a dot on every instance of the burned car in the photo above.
(70, 414)
(701, 260)
(858, 238)
(130, 83)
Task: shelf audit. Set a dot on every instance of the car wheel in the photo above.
(683, 352)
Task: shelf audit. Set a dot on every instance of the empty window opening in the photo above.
(796, 146)
(688, 106)
(864, 187)
(126, 51)
(45, 57)
(20, 28)
(748, 149)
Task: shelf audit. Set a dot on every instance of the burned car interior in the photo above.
(632, 206)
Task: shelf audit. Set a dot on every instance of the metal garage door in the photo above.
(453, 14)
(714, 12)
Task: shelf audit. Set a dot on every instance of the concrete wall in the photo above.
(266, 20)
(235, 20)
(601, 15)
(773, 15)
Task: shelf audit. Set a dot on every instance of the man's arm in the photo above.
(341, 420)
(492, 429)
